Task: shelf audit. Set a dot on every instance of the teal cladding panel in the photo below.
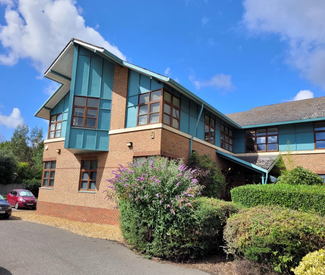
(65, 116)
(193, 109)
(133, 101)
(105, 104)
(184, 122)
(131, 117)
(64, 128)
(239, 141)
(82, 76)
(185, 104)
(286, 129)
(62, 107)
(305, 141)
(95, 78)
(133, 85)
(155, 85)
(283, 139)
(107, 83)
(89, 140)
(76, 138)
(102, 141)
(304, 128)
(144, 84)
(104, 119)
(192, 125)
(200, 130)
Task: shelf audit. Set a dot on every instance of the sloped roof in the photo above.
(288, 111)
(264, 162)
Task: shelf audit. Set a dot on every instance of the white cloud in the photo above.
(39, 29)
(51, 88)
(13, 120)
(167, 72)
(298, 22)
(303, 94)
(218, 81)
(205, 20)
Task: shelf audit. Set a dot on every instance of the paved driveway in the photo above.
(30, 248)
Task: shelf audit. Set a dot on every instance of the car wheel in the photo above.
(16, 205)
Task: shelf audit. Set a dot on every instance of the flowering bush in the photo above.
(158, 201)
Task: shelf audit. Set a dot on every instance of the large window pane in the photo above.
(91, 122)
(58, 134)
(272, 131)
(320, 144)
(51, 134)
(45, 182)
(176, 102)
(261, 132)
(77, 121)
(80, 101)
(206, 120)
(86, 165)
(53, 164)
(53, 118)
(272, 139)
(59, 118)
(320, 126)
(143, 110)
(91, 113)
(48, 165)
(155, 96)
(144, 98)
(46, 174)
(176, 113)
(272, 147)
(79, 111)
(176, 123)
(51, 182)
(166, 119)
(84, 184)
(167, 109)
(58, 125)
(52, 175)
(261, 147)
(93, 165)
(52, 128)
(92, 102)
(155, 107)
(85, 175)
(168, 97)
(92, 185)
(93, 175)
(143, 120)
(320, 135)
(154, 118)
(260, 140)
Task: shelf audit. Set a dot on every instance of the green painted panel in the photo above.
(133, 85)
(184, 122)
(131, 117)
(102, 141)
(104, 119)
(105, 104)
(76, 138)
(64, 128)
(144, 84)
(192, 125)
(108, 78)
(89, 140)
(218, 123)
(193, 109)
(82, 75)
(133, 101)
(304, 128)
(305, 141)
(185, 104)
(286, 129)
(283, 142)
(155, 85)
(95, 77)
(200, 130)
(217, 138)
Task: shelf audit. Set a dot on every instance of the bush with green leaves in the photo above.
(161, 213)
(299, 175)
(274, 235)
(208, 174)
(308, 198)
(33, 185)
(312, 264)
(8, 166)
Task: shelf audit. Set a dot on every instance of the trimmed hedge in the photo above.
(274, 235)
(312, 264)
(297, 197)
(298, 176)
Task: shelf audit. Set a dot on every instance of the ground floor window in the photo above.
(88, 175)
(49, 173)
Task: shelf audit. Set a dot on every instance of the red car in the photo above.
(22, 198)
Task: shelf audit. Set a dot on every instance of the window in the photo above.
(49, 173)
(323, 177)
(149, 107)
(172, 110)
(209, 129)
(85, 112)
(88, 175)
(55, 126)
(261, 140)
(319, 132)
(226, 140)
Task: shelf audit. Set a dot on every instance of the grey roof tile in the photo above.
(288, 111)
(264, 162)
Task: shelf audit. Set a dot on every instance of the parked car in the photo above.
(5, 208)
(22, 198)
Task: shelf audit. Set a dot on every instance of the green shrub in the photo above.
(160, 213)
(33, 186)
(297, 197)
(312, 264)
(208, 175)
(274, 235)
(300, 175)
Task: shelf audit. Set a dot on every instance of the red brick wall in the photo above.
(313, 162)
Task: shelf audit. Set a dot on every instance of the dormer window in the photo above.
(85, 112)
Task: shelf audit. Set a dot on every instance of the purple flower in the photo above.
(153, 178)
(179, 175)
(160, 202)
(194, 180)
(141, 178)
(172, 201)
(153, 201)
(125, 185)
(144, 175)
(131, 171)
(168, 205)
(178, 183)
(126, 180)
(130, 196)
(146, 196)
(181, 167)
(157, 181)
(163, 164)
(157, 195)
(134, 184)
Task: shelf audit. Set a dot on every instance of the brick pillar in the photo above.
(120, 92)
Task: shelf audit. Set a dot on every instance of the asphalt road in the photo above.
(30, 248)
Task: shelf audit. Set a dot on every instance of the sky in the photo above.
(234, 54)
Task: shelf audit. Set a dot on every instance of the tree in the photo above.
(8, 166)
(19, 143)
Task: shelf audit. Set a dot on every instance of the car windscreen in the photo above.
(25, 194)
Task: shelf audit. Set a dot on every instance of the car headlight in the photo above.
(21, 199)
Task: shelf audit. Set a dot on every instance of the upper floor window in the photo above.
(88, 175)
(85, 112)
(226, 139)
(149, 107)
(172, 110)
(55, 126)
(264, 139)
(209, 129)
(319, 132)
(49, 173)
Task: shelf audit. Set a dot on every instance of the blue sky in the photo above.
(236, 55)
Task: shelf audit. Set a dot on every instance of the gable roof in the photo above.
(301, 110)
